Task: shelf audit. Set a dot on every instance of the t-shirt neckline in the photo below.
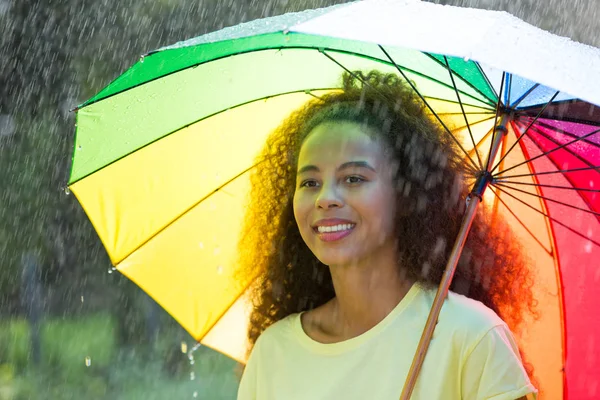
(352, 343)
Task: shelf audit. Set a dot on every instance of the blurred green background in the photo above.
(70, 327)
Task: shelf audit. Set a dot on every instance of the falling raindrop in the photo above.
(184, 347)
(88, 361)
(192, 376)
(82, 299)
(195, 394)
(191, 353)
(142, 59)
(67, 190)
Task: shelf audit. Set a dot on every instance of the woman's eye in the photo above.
(354, 179)
(308, 183)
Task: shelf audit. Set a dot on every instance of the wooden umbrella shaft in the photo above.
(473, 201)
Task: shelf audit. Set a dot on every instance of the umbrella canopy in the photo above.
(163, 153)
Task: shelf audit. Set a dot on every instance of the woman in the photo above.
(355, 204)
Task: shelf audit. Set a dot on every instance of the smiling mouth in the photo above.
(333, 233)
(334, 228)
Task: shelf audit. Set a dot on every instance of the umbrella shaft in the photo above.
(473, 200)
(500, 131)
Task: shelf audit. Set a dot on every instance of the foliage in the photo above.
(113, 372)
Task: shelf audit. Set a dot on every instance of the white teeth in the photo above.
(335, 228)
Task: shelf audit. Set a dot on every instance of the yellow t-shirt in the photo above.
(472, 355)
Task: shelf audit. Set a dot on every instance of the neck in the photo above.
(366, 292)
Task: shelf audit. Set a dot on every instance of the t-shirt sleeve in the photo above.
(247, 389)
(493, 369)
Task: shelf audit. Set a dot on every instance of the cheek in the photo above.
(301, 209)
(380, 209)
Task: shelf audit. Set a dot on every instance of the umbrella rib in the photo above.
(492, 101)
(351, 73)
(430, 108)
(523, 134)
(585, 200)
(463, 112)
(484, 138)
(597, 214)
(308, 92)
(561, 146)
(560, 171)
(495, 121)
(422, 75)
(469, 113)
(522, 223)
(442, 83)
(484, 75)
(546, 215)
(458, 128)
(547, 186)
(559, 102)
(455, 102)
(527, 93)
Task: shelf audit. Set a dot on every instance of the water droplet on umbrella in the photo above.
(591, 184)
(79, 147)
(67, 191)
(217, 251)
(192, 376)
(183, 347)
(142, 59)
(220, 269)
(110, 270)
(588, 246)
(201, 245)
(88, 361)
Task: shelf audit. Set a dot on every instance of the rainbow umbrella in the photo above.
(163, 153)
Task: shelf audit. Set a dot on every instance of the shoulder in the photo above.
(278, 332)
(470, 314)
(463, 318)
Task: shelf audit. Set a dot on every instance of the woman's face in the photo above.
(344, 203)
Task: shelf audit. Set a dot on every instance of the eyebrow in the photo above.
(349, 164)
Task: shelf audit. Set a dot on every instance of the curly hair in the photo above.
(432, 182)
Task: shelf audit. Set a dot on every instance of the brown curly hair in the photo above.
(432, 180)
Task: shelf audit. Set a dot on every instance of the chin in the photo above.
(337, 257)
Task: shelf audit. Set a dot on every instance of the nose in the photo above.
(328, 198)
